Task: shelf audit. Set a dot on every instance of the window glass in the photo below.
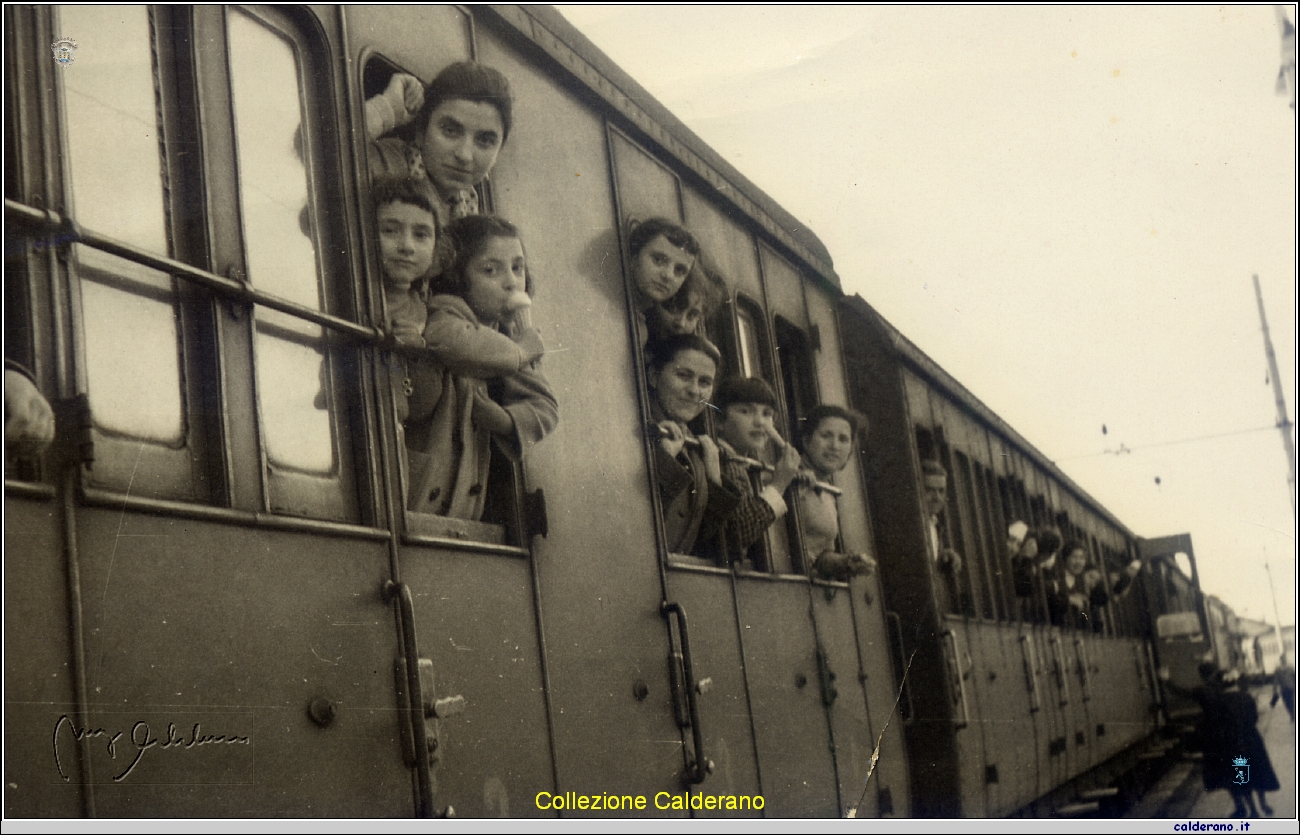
(131, 340)
(112, 136)
(132, 354)
(750, 366)
(279, 240)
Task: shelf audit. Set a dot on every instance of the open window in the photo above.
(493, 491)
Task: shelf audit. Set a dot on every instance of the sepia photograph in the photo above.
(651, 412)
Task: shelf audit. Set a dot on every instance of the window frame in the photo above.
(221, 462)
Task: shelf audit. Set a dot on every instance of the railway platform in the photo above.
(1180, 793)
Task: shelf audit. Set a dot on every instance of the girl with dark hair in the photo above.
(696, 500)
(484, 382)
(663, 254)
(449, 132)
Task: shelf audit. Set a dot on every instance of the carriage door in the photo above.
(711, 707)
(467, 588)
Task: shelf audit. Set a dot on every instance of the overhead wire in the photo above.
(1124, 450)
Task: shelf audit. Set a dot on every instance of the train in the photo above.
(219, 605)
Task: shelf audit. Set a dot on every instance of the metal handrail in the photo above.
(752, 464)
(415, 703)
(695, 771)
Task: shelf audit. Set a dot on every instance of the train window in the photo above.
(941, 529)
(113, 141)
(798, 374)
(749, 345)
(990, 545)
(280, 244)
(976, 598)
(283, 165)
(376, 75)
(139, 341)
(113, 132)
(995, 528)
(498, 519)
(168, 372)
(645, 187)
(1038, 510)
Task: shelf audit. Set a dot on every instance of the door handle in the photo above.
(1061, 679)
(951, 637)
(901, 659)
(1081, 653)
(700, 767)
(1031, 671)
(414, 675)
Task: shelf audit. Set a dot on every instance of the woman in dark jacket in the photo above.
(1245, 747)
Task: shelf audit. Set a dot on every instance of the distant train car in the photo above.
(218, 602)
(1005, 706)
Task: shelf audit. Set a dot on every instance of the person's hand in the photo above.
(489, 414)
(787, 464)
(405, 95)
(862, 564)
(712, 459)
(1091, 577)
(1163, 674)
(950, 560)
(29, 420)
(671, 437)
(1079, 601)
(531, 343)
(1134, 568)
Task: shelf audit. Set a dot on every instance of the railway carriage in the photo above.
(216, 602)
(1007, 706)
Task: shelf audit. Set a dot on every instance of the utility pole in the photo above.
(1283, 424)
(1278, 617)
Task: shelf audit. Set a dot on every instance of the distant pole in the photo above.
(1283, 425)
(1276, 615)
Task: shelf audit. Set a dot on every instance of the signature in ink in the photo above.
(140, 740)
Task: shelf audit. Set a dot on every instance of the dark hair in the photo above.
(857, 423)
(1049, 541)
(662, 351)
(647, 230)
(467, 237)
(1075, 545)
(386, 190)
(702, 281)
(743, 390)
(471, 81)
(931, 467)
(389, 189)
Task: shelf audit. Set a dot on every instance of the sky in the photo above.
(1062, 206)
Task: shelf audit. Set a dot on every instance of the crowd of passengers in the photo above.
(456, 291)
(457, 287)
(1055, 581)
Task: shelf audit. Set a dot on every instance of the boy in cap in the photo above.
(745, 429)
